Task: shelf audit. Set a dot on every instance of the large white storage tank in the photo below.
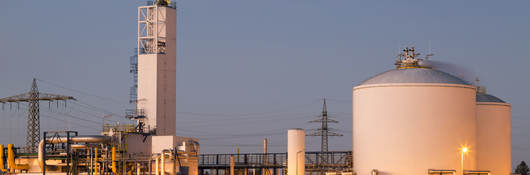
(412, 119)
(494, 134)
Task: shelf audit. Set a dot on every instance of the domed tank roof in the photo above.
(414, 75)
(488, 98)
(482, 96)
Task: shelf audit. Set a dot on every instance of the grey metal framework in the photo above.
(55, 149)
(273, 163)
(133, 69)
(324, 131)
(33, 124)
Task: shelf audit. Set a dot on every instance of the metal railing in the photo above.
(315, 161)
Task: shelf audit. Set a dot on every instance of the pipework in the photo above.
(114, 168)
(11, 160)
(2, 167)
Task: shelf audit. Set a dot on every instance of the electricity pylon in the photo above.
(33, 124)
(324, 132)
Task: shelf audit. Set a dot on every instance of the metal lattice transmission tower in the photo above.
(33, 124)
(324, 131)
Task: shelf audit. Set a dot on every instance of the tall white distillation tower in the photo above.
(157, 59)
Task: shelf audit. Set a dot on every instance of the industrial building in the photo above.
(416, 119)
(148, 147)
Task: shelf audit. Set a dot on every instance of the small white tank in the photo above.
(494, 134)
(296, 151)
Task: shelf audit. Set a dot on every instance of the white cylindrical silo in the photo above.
(494, 134)
(295, 151)
(410, 120)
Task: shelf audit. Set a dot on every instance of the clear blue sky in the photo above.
(250, 69)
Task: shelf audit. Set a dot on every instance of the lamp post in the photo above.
(463, 151)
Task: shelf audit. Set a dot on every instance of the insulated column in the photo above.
(295, 151)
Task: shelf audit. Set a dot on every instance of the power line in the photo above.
(324, 131)
(86, 105)
(81, 92)
(88, 94)
(280, 110)
(72, 116)
(62, 120)
(222, 122)
(92, 114)
(33, 97)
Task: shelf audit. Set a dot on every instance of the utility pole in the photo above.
(324, 132)
(33, 124)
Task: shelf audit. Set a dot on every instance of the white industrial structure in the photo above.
(419, 120)
(296, 151)
(157, 58)
(494, 133)
(148, 147)
(156, 101)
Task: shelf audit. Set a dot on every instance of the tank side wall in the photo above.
(494, 138)
(295, 152)
(408, 129)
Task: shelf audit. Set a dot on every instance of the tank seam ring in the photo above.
(415, 84)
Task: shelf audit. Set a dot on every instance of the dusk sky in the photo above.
(248, 70)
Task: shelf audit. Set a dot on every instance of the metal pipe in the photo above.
(67, 152)
(264, 171)
(85, 139)
(130, 171)
(237, 158)
(163, 164)
(232, 165)
(89, 158)
(163, 161)
(138, 168)
(157, 163)
(78, 146)
(124, 169)
(103, 167)
(2, 167)
(114, 169)
(11, 160)
(374, 172)
(43, 153)
(175, 159)
(40, 156)
(96, 161)
(150, 166)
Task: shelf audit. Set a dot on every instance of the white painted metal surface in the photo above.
(409, 128)
(157, 68)
(494, 137)
(295, 151)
